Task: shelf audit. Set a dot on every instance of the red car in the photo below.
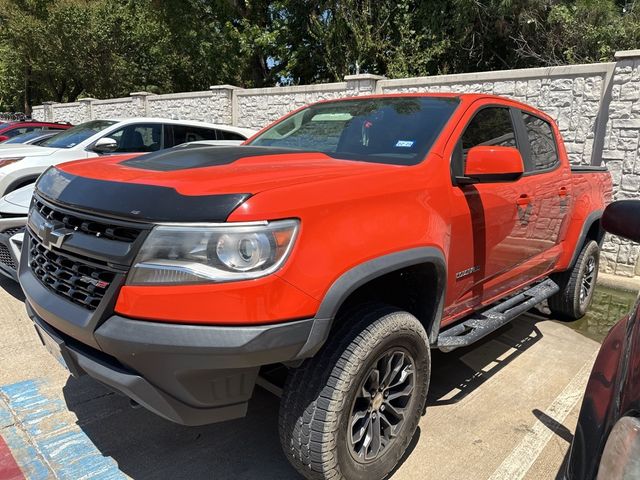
(13, 128)
(339, 245)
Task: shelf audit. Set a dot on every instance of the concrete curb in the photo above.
(629, 284)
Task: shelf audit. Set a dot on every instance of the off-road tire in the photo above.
(318, 397)
(567, 303)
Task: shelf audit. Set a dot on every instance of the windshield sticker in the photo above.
(405, 143)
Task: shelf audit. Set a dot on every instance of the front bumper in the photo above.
(191, 375)
(11, 239)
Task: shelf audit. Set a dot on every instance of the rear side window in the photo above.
(138, 138)
(225, 135)
(185, 133)
(544, 153)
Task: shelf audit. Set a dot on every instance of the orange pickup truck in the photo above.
(337, 247)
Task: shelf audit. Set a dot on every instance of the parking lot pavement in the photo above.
(505, 409)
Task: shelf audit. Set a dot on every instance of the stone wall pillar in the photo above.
(140, 101)
(229, 94)
(87, 107)
(362, 84)
(621, 154)
(48, 111)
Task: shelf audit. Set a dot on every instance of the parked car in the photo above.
(23, 164)
(14, 208)
(35, 137)
(607, 440)
(14, 128)
(12, 227)
(341, 243)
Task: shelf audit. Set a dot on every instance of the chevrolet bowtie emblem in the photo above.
(53, 234)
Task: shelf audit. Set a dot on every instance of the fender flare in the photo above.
(361, 274)
(592, 218)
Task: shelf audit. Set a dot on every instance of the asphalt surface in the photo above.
(505, 409)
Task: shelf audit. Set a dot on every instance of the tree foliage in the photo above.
(63, 49)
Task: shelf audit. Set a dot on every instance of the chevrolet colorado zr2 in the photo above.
(339, 245)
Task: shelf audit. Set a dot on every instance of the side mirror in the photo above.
(3, 138)
(105, 145)
(491, 164)
(621, 218)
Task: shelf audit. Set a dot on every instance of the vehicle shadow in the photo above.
(457, 374)
(12, 288)
(146, 446)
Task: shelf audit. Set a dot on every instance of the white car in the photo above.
(14, 208)
(13, 218)
(22, 164)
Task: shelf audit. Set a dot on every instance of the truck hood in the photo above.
(189, 183)
(206, 170)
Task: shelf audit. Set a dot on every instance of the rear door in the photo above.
(552, 186)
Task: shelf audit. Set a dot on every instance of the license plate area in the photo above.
(58, 350)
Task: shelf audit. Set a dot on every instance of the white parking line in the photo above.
(523, 456)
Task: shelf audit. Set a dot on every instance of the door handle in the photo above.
(563, 192)
(523, 200)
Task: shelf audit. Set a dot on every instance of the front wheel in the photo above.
(577, 285)
(351, 411)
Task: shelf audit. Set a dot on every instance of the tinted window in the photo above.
(185, 133)
(138, 138)
(544, 154)
(73, 136)
(225, 135)
(396, 130)
(24, 137)
(490, 126)
(19, 131)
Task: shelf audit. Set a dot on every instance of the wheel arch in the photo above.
(591, 230)
(369, 278)
(21, 182)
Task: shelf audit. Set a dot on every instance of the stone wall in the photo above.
(620, 154)
(597, 108)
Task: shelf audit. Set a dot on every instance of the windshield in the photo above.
(394, 130)
(24, 137)
(72, 137)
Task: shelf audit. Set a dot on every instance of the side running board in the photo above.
(481, 324)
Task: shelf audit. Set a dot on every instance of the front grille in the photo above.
(6, 258)
(90, 227)
(77, 280)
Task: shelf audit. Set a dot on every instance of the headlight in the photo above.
(8, 161)
(204, 254)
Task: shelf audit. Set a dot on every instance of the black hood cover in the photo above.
(134, 201)
(188, 156)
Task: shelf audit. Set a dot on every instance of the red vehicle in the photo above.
(343, 242)
(13, 128)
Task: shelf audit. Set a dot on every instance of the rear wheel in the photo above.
(351, 411)
(577, 285)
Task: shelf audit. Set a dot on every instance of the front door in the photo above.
(492, 223)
